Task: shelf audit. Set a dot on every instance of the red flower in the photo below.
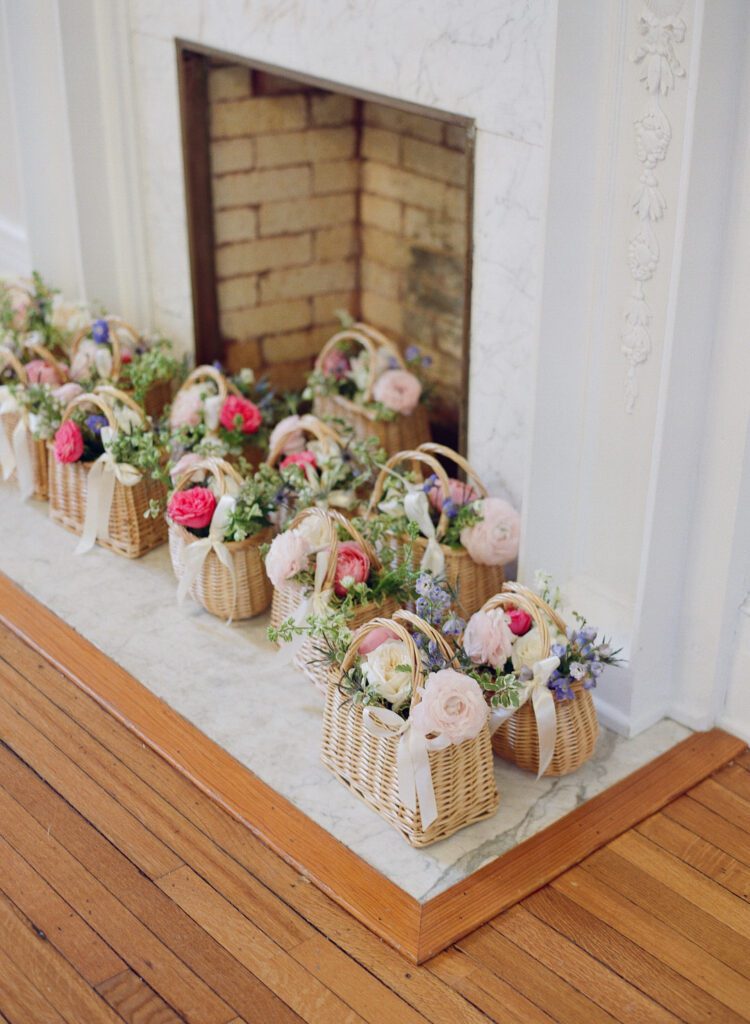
(352, 565)
(68, 442)
(519, 621)
(193, 509)
(299, 459)
(126, 357)
(237, 409)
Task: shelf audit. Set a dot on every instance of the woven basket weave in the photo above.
(393, 435)
(462, 775)
(311, 658)
(251, 451)
(250, 595)
(517, 739)
(131, 534)
(474, 582)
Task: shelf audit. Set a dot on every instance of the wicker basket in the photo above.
(311, 657)
(9, 420)
(517, 739)
(462, 775)
(252, 452)
(393, 435)
(474, 582)
(249, 594)
(131, 534)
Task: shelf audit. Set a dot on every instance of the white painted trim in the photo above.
(735, 725)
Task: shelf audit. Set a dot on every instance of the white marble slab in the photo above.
(227, 681)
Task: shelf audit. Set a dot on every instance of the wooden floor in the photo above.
(126, 894)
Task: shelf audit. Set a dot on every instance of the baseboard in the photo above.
(735, 724)
(628, 725)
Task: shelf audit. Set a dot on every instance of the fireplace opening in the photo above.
(307, 200)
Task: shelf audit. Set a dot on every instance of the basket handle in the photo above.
(115, 323)
(346, 524)
(424, 627)
(538, 610)
(91, 399)
(514, 587)
(370, 340)
(433, 448)
(9, 359)
(218, 468)
(414, 455)
(120, 396)
(381, 339)
(310, 425)
(401, 633)
(205, 372)
(333, 518)
(42, 352)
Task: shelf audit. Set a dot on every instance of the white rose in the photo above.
(315, 531)
(527, 650)
(381, 670)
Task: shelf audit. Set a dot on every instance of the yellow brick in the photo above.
(380, 280)
(456, 136)
(455, 203)
(259, 115)
(325, 307)
(232, 155)
(291, 148)
(247, 324)
(311, 280)
(235, 225)
(434, 230)
(238, 292)
(231, 83)
(335, 176)
(293, 346)
(380, 116)
(384, 247)
(300, 214)
(240, 354)
(380, 213)
(434, 161)
(332, 109)
(335, 243)
(383, 313)
(405, 186)
(289, 376)
(378, 144)
(261, 186)
(263, 254)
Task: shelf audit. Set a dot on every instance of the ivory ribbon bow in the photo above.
(24, 469)
(100, 491)
(415, 788)
(543, 703)
(315, 603)
(417, 508)
(8, 404)
(195, 554)
(212, 411)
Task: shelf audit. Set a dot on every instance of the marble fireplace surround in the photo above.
(487, 62)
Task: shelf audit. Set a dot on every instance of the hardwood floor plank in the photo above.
(698, 853)
(744, 760)
(722, 801)
(711, 827)
(136, 1003)
(490, 994)
(22, 996)
(628, 959)
(62, 926)
(601, 985)
(735, 778)
(661, 941)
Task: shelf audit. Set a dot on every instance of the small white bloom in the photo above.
(383, 670)
(527, 650)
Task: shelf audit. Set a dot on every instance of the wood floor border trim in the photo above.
(419, 931)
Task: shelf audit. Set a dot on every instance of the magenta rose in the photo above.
(299, 459)
(335, 364)
(352, 566)
(398, 390)
(460, 494)
(193, 509)
(68, 442)
(237, 409)
(519, 621)
(40, 372)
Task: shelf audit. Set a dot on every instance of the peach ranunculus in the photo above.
(294, 439)
(373, 640)
(68, 443)
(493, 540)
(459, 493)
(352, 566)
(38, 371)
(187, 408)
(488, 639)
(288, 555)
(193, 509)
(398, 390)
(452, 705)
(238, 413)
(67, 392)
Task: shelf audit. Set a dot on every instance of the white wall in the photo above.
(14, 254)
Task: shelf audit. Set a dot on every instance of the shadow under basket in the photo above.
(213, 587)
(130, 533)
(394, 435)
(517, 739)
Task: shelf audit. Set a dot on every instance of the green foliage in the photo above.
(45, 410)
(256, 503)
(142, 448)
(145, 369)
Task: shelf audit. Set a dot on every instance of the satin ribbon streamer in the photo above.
(8, 404)
(417, 508)
(100, 491)
(315, 603)
(415, 788)
(24, 469)
(195, 554)
(543, 703)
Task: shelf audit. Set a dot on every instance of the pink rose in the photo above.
(67, 392)
(299, 459)
(494, 540)
(193, 509)
(183, 464)
(352, 566)
(459, 493)
(379, 635)
(518, 621)
(288, 555)
(398, 390)
(68, 442)
(40, 372)
(294, 440)
(452, 705)
(488, 639)
(335, 364)
(238, 410)
(187, 408)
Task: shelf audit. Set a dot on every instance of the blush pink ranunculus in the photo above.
(305, 458)
(67, 392)
(519, 621)
(294, 439)
(68, 442)
(183, 464)
(493, 540)
(398, 390)
(459, 493)
(488, 639)
(40, 372)
(452, 705)
(335, 364)
(352, 566)
(193, 509)
(187, 408)
(373, 640)
(238, 413)
(288, 555)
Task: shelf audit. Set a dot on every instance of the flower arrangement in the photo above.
(30, 308)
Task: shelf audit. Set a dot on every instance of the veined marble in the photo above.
(232, 684)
